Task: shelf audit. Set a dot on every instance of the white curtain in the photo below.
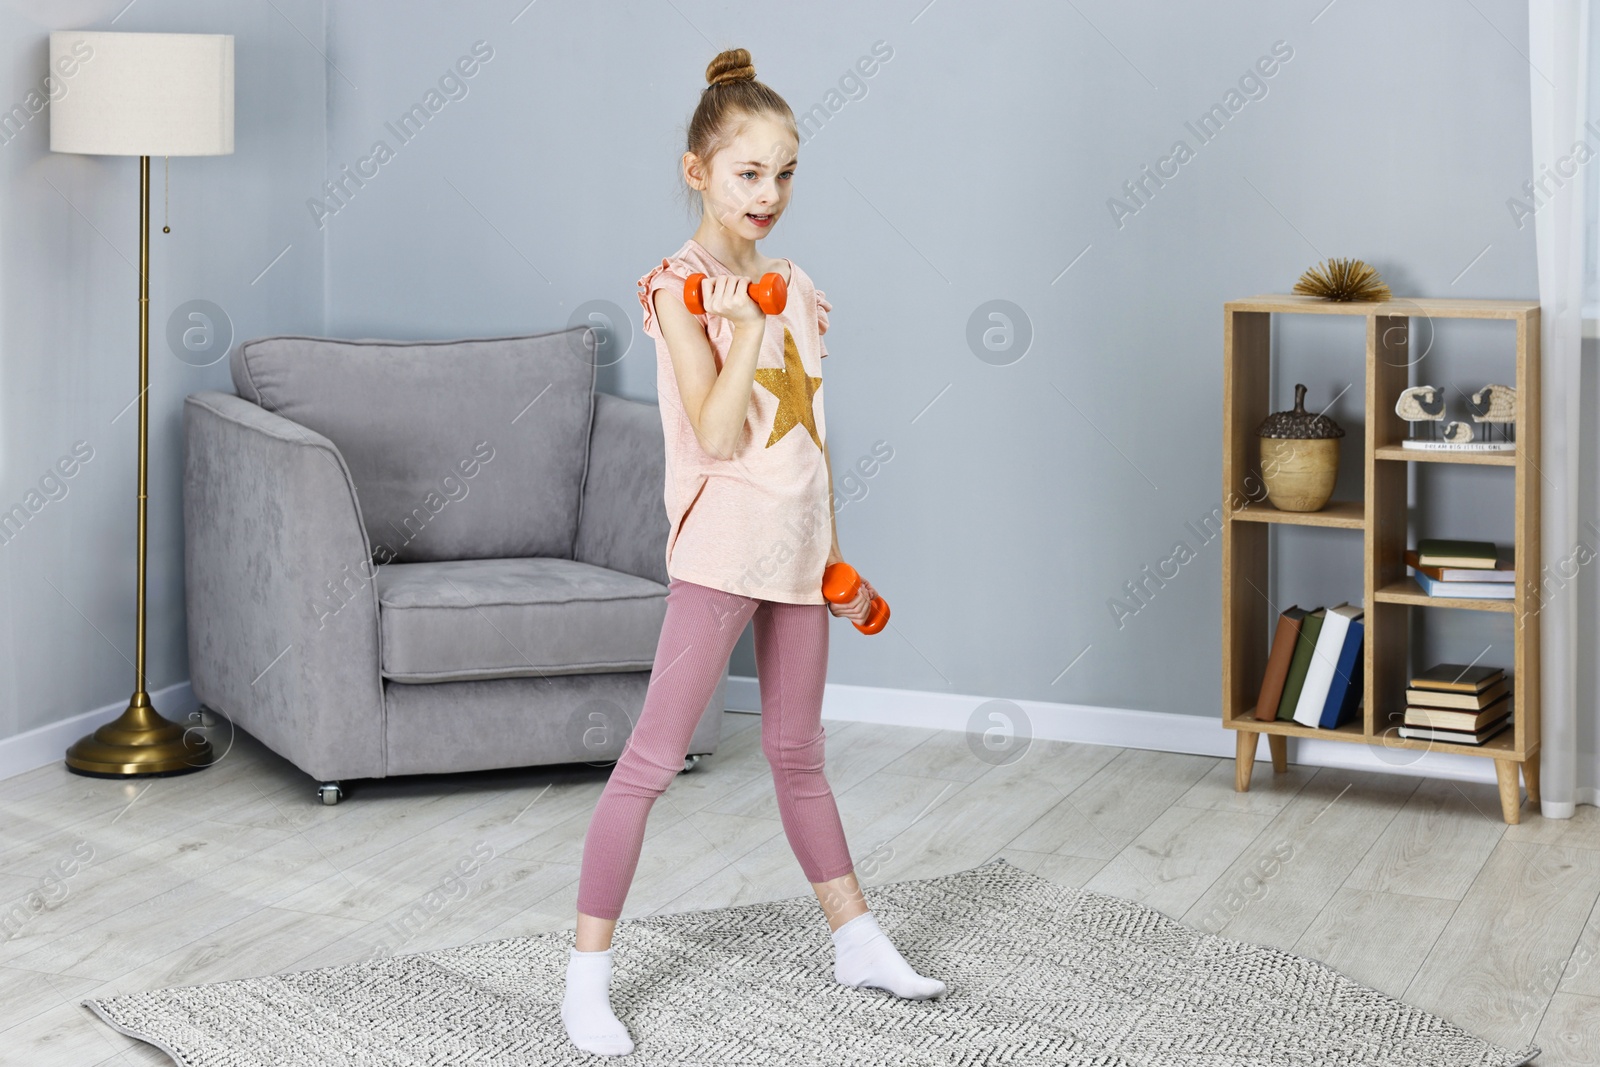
(1558, 52)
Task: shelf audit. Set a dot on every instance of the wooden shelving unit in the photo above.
(1389, 593)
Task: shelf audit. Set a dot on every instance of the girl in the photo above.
(748, 488)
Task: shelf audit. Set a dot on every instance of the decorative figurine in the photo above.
(1495, 405)
(1422, 403)
(1343, 280)
(1299, 456)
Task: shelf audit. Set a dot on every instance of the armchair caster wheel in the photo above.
(690, 761)
(330, 792)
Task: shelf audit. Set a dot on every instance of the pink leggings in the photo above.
(700, 630)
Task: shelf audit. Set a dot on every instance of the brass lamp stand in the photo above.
(142, 94)
(140, 741)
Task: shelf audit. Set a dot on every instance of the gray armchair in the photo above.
(422, 557)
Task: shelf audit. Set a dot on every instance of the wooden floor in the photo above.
(1414, 886)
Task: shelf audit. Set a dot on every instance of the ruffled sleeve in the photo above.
(670, 272)
(823, 307)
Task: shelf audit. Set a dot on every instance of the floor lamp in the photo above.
(141, 94)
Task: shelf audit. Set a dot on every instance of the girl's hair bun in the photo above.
(733, 65)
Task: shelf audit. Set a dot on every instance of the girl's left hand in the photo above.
(857, 609)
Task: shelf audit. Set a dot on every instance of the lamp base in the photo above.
(139, 743)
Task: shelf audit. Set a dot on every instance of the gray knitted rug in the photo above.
(1036, 973)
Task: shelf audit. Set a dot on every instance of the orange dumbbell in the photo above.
(841, 584)
(770, 293)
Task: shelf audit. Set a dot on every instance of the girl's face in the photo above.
(750, 179)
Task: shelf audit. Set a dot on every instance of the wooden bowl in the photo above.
(1299, 472)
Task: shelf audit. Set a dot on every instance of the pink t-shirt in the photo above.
(758, 523)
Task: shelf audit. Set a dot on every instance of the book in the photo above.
(1310, 626)
(1444, 552)
(1344, 691)
(1277, 672)
(1496, 590)
(1459, 737)
(1446, 698)
(1504, 569)
(1444, 719)
(1461, 677)
(1324, 658)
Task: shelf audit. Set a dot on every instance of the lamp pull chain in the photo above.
(166, 193)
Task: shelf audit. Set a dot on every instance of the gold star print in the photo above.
(794, 389)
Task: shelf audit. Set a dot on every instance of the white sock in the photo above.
(586, 1007)
(864, 956)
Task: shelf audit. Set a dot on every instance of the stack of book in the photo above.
(1313, 674)
(1474, 570)
(1457, 703)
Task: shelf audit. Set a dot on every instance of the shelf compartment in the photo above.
(1246, 720)
(1481, 459)
(1344, 514)
(1407, 591)
(1500, 746)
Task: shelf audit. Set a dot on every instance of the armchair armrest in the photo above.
(282, 607)
(622, 521)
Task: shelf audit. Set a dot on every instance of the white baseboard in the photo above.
(49, 744)
(1160, 731)
(1124, 727)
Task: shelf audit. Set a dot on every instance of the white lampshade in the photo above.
(142, 94)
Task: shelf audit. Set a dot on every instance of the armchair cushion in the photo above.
(510, 618)
(472, 449)
(623, 525)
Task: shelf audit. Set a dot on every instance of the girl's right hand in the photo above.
(728, 295)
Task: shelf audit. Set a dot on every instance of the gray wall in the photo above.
(975, 164)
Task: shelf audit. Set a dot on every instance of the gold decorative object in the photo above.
(1299, 456)
(142, 94)
(1343, 279)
